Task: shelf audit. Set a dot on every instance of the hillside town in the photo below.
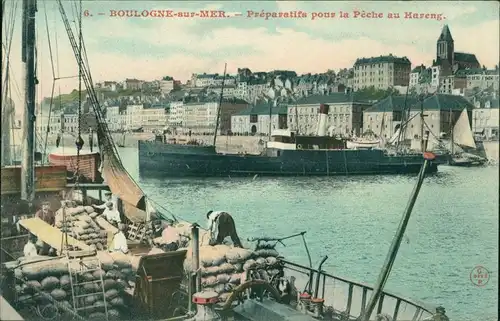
(369, 96)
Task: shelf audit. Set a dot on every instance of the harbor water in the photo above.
(453, 228)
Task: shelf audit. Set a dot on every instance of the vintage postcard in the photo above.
(249, 160)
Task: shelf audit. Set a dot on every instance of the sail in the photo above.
(462, 133)
(115, 174)
(394, 137)
(121, 184)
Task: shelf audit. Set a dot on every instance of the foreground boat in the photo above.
(287, 154)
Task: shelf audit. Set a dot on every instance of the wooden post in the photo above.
(100, 195)
(84, 196)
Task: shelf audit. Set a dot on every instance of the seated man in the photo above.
(30, 248)
(111, 214)
(108, 197)
(46, 214)
(119, 240)
(49, 217)
(220, 226)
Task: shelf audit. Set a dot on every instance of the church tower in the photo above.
(445, 46)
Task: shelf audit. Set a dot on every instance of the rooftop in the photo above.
(382, 59)
(432, 102)
(419, 68)
(263, 109)
(445, 34)
(334, 98)
(465, 57)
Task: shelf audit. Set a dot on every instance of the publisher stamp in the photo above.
(479, 276)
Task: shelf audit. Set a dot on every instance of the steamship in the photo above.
(286, 154)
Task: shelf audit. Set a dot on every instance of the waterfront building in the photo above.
(255, 119)
(345, 115)
(133, 119)
(200, 117)
(485, 119)
(43, 120)
(176, 115)
(113, 118)
(441, 112)
(154, 117)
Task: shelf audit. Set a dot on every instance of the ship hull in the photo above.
(88, 165)
(167, 160)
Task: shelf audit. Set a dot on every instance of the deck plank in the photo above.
(7, 312)
(49, 234)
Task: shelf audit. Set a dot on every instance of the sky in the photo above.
(152, 47)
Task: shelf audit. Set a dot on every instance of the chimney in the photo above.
(323, 115)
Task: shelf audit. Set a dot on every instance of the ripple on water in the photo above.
(453, 228)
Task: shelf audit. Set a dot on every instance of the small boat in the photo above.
(467, 160)
(462, 139)
(362, 143)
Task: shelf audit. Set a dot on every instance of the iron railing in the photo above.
(349, 298)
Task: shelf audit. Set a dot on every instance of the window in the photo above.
(253, 118)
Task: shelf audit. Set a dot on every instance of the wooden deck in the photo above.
(49, 234)
(7, 312)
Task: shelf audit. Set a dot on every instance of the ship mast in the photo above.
(396, 241)
(28, 55)
(451, 132)
(220, 105)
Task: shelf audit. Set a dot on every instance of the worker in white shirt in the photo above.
(119, 240)
(108, 197)
(111, 214)
(30, 247)
(220, 226)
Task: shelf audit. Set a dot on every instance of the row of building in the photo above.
(451, 72)
(349, 114)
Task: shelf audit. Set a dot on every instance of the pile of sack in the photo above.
(45, 284)
(224, 267)
(79, 223)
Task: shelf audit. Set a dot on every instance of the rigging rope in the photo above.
(10, 25)
(79, 140)
(82, 59)
(53, 80)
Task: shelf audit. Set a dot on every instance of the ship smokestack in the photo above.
(323, 115)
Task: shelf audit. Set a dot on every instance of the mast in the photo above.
(451, 132)
(404, 113)
(27, 164)
(422, 124)
(220, 104)
(271, 103)
(296, 119)
(396, 242)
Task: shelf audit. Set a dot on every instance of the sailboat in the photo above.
(462, 140)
